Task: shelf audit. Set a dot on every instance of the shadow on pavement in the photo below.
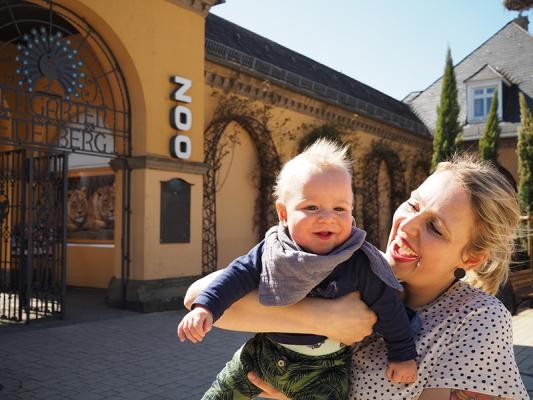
(82, 305)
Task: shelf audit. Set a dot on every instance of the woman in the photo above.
(461, 220)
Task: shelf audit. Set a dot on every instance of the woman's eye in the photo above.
(412, 206)
(433, 228)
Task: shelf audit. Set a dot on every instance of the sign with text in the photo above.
(181, 118)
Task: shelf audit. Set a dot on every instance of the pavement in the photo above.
(99, 353)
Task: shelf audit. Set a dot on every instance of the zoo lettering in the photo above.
(181, 119)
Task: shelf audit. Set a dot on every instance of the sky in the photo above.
(395, 46)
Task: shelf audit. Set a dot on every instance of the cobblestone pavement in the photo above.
(126, 355)
(135, 357)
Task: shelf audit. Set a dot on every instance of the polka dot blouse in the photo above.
(465, 343)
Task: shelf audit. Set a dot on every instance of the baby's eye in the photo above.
(311, 208)
(340, 209)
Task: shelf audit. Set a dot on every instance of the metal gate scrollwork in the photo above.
(60, 86)
(62, 93)
(32, 250)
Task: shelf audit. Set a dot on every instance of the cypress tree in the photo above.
(525, 158)
(447, 128)
(525, 170)
(488, 144)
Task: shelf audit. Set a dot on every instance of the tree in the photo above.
(488, 144)
(525, 168)
(518, 5)
(525, 157)
(448, 128)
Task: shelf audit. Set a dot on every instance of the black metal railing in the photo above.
(32, 245)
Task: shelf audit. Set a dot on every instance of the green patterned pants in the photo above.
(299, 376)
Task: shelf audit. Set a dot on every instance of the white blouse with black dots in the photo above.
(465, 343)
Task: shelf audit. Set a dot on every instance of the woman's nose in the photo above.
(411, 224)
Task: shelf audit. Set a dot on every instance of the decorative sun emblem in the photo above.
(45, 55)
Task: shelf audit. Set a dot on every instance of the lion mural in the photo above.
(101, 208)
(76, 208)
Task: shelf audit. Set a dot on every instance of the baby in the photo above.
(316, 250)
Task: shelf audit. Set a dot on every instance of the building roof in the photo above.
(487, 72)
(229, 43)
(507, 55)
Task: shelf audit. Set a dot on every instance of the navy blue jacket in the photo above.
(243, 275)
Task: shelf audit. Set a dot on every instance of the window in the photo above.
(480, 99)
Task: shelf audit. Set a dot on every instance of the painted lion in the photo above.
(76, 208)
(101, 210)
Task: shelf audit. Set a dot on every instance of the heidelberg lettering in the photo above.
(181, 118)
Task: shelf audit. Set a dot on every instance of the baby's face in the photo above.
(318, 210)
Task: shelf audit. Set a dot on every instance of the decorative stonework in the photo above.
(276, 96)
(160, 163)
(237, 60)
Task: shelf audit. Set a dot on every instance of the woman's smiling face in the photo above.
(430, 232)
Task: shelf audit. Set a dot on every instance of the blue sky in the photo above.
(395, 46)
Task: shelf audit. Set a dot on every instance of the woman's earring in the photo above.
(459, 273)
(353, 222)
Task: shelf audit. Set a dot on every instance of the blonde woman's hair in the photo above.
(496, 214)
(321, 155)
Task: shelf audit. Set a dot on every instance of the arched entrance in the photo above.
(64, 114)
(269, 165)
(383, 177)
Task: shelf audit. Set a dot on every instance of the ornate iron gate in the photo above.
(33, 234)
(61, 89)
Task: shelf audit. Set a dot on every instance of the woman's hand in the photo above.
(268, 391)
(346, 319)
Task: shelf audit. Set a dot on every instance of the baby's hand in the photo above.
(195, 325)
(401, 371)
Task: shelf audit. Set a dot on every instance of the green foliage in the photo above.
(448, 127)
(488, 144)
(525, 158)
(518, 5)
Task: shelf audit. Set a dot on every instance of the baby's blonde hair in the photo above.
(321, 155)
(496, 215)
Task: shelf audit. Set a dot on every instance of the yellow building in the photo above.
(139, 145)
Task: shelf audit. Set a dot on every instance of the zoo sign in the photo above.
(181, 118)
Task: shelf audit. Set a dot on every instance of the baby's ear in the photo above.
(282, 212)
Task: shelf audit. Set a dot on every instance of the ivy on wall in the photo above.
(254, 118)
(322, 132)
(419, 172)
(380, 152)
